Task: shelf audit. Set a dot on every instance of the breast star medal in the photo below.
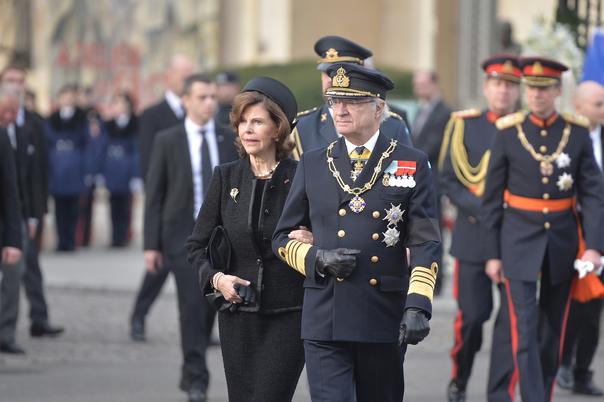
(563, 160)
(234, 192)
(357, 204)
(394, 215)
(391, 236)
(565, 182)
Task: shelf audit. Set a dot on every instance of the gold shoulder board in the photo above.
(466, 114)
(509, 120)
(576, 119)
(305, 112)
(396, 116)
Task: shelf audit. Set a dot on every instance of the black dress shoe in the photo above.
(196, 392)
(585, 386)
(12, 348)
(39, 329)
(455, 393)
(565, 378)
(137, 329)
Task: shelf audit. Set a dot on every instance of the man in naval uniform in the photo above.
(541, 164)
(366, 198)
(463, 164)
(315, 128)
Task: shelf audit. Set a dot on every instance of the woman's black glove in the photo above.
(414, 327)
(247, 293)
(339, 262)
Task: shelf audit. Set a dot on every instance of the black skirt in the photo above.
(263, 355)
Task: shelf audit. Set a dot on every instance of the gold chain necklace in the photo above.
(357, 204)
(545, 161)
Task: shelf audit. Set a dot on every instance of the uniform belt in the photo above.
(537, 204)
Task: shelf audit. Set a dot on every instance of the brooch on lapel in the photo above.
(234, 192)
(400, 174)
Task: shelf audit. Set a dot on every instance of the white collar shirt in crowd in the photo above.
(175, 104)
(12, 135)
(195, 140)
(596, 139)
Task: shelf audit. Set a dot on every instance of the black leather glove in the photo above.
(339, 262)
(414, 327)
(247, 293)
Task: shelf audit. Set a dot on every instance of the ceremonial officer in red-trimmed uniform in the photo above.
(366, 198)
(541, 164)
(463, 162)
(315, 128)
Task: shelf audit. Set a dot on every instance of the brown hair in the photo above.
(246, 99)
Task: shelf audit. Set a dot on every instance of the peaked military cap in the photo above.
(541, 72)
(353, 80)
(277, 92)
(333, 49)
(504, 66)
(227, 77)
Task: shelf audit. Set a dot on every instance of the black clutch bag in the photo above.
(218, 255)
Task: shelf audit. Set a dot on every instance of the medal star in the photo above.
(565, 182)
(563, 160)
(391, 237)
(394, 215)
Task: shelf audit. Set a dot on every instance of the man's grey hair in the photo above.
(385, 109)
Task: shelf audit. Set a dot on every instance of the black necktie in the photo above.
(206, 164)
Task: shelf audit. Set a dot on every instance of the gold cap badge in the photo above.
(331, 53)
(340, 79)
(507, 67)
(537, 68)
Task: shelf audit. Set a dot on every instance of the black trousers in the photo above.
(193, 310)
(472, 289)
(120, 218)
(84, 227)
(582, 335)
(537, 328)
(66, 216)
(33, 281)
(341, 371)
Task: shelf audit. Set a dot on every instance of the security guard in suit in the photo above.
(541, 164)
(463, 161)
(315, 128)
(366, 198)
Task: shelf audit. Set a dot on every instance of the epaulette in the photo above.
(305, 112)
(577, 119)
(466, 114)
(395, 115)
(510, 120)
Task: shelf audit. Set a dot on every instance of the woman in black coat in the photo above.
(259, 322)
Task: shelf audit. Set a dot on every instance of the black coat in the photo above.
(10, 222)
(169, 199)
(154, 119)
(430, 136)
(278, 287)
(35, 124)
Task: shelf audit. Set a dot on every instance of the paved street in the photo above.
(90, 292)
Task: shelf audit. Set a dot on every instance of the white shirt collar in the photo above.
(370, 144)
(196, 128)
(175, 103)
(596, 139)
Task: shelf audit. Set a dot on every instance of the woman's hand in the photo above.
(303, 234)
(225, 284)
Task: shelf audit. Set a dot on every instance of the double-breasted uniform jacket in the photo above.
(169, 203)
(469, 139)
(368, 305)
(522, 238)
(315, 129)
(10, 222)
(229, 203)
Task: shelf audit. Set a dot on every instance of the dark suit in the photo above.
(315, 129)
(350, 327)
(471, 134)
(169, 220)
(154, 119)
(540, 245)
(10, 222)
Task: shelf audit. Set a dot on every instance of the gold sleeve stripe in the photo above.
(422, 281)
(294, 255)
(424, 277)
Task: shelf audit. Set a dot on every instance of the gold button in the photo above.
(339, 279)
(546, 225)
(373, 281)
(546, 210)
(341, 233)
(546, 196)
(543, 133)
(375, 259)
(342, 212)
(544, 180)
(543, 149)
(375, 214)
(375, 236)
